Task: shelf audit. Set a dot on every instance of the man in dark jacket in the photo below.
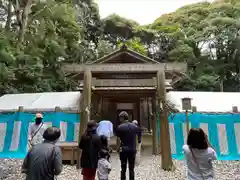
(44, 160)
(127, 133)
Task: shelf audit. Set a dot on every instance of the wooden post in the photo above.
(57, 109)
(187, 121)
(20, 109)
(94, 109)
(154, 127)
(167, 163)
(194, 109)
(141, 117)
(85, 109)
(150, 112)
(235, 109)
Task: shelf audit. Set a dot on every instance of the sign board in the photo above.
(186, 104)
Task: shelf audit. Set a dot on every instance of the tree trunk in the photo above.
(22, 18)
(221, 85)
(9, 16)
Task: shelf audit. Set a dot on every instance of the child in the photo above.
(105, 146)
(104, 166)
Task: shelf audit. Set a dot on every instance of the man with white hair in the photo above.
(105, 128)
(138, 148)
(135, 122)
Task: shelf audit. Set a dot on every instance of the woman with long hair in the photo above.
(90, 144)
(199, 156)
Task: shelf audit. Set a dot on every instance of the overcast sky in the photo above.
(142, 11)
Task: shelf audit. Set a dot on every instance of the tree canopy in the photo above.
(38, 36)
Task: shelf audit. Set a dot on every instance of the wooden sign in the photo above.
(186, 104)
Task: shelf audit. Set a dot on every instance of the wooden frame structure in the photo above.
(125, 76)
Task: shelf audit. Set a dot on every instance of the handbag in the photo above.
(196, 162)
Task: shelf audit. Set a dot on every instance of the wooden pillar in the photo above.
(20, 109)
(154, 127)
(150, 113)
(141, 113)
(138, 112)
(99, 108)
(94, 108)
(87, 94)
(167, 163)
(135, 111)
(85, 107)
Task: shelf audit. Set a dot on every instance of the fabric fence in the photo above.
(14, 128)
(223, 131)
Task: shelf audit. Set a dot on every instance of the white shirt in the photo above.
(105, 128)
(104, 167)
(38, 138)
(204, 159)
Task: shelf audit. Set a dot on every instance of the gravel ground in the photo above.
(149, 168)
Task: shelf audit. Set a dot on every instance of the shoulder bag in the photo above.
(196, 162)
(30, 142)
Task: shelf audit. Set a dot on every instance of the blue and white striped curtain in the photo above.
(14, 129)
(223, 131)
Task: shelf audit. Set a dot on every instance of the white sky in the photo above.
(142, 11)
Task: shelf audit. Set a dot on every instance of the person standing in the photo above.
(36, 131)
(44, 160)
(127, 133)
(105, 128)
(105, 146)
(139, 145)
(199, 156)
(90, 143)
(104, 166)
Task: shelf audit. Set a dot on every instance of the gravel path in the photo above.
(149, 169)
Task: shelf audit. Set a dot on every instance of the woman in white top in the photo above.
(199, 156)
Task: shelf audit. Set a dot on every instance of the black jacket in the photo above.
(127, 133)
(91, 146)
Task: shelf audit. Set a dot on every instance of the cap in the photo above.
(39, 115)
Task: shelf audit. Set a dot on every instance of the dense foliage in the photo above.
(37, 36)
